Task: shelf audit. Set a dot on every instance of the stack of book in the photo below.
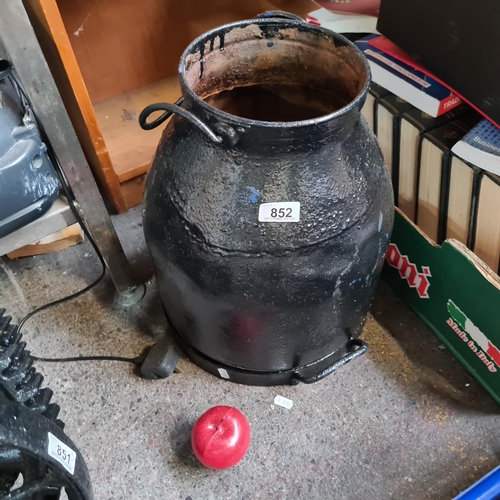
(341, 22)
(442, 149)
(443, 156)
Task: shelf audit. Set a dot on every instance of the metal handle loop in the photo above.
(169, 110)
(280, 14)
(5, 68)
(356, 348)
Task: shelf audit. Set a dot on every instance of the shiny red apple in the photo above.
(220, 437)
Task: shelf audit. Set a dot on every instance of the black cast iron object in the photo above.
(268, 302)
(355, 348)
(26, 419)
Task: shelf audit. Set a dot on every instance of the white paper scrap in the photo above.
(284, 402)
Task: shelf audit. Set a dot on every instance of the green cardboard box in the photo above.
(454, 292)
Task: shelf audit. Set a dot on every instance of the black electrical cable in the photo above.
(94, 245)
(65, 188)
(136, 361)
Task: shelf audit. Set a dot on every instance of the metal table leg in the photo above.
(22, 46)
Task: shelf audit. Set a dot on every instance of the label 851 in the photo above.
(62, 453)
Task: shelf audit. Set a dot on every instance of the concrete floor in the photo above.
(405, 421)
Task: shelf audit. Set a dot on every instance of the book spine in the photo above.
(396, 144)
(375, 116)
(443, 196)
(424, 83)
(448, 104)
(312, 20)
(471, 240)
(388, 63)
(365, 7)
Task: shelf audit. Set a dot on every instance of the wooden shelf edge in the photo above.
(131, 149)
(133, 190)
(53, 38)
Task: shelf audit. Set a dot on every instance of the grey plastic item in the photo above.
(160, 361)
(28, 181)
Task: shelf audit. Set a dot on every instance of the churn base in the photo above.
(306, 374)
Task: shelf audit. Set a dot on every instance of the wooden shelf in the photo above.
(131, 148)
(111, 59)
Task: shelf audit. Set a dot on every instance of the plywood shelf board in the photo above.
(124, 45)
(49, 28)
(60, 240)
(131, 149)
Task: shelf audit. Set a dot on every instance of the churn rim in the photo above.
(191, 48)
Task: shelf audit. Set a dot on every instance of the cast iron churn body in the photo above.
(255, 293)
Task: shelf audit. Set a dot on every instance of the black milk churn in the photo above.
(268, 208)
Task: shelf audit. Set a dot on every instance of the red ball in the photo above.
(221, 437)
